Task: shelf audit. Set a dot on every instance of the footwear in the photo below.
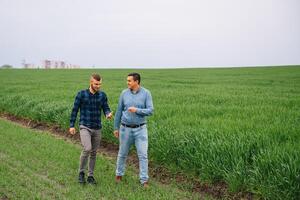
(91, 180)
(118, 179)
(81, 178)
(145, 184)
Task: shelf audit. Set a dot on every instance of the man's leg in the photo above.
(125, 140)
(85, 138)
(95, 140)
(141, 143)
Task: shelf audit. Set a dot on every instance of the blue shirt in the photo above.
(142, 100)
(90, 106)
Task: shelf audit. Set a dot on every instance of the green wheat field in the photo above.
(235, 125)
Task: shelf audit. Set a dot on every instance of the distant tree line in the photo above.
(6, 67)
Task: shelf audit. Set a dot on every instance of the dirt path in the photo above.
(159, 173)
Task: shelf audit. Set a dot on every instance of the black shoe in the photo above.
(91, 180)
(81, 178)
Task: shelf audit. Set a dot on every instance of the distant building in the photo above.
(55, 64)
(27, 65)
(47, 64)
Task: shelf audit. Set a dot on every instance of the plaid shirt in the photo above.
(90, 108)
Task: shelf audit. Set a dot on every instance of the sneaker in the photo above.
(145, 184)
(118, 179)
(91, 180)
(81, 178)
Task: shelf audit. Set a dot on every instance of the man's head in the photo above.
(95, 82)
(133, 81)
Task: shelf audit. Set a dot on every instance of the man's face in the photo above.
(131, 83)
(95, 85)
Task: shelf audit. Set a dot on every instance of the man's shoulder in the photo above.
(82, 92)
(101, 93)
(125, 91)
(145, 90)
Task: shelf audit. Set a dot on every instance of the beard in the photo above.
(93, 88)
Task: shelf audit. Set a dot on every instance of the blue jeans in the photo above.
(138, 136)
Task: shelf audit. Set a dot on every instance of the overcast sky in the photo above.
(151, 33)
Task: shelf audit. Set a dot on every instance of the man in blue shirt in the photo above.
(130, 126)
(90, 102)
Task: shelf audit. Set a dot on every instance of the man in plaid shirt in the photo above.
(90, 102)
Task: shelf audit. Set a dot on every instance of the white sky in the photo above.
(151, 33)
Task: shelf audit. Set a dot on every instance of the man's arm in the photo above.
(74, 113)
(149, 107)
(106, 109)
(118, 116)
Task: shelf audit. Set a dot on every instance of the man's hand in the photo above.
(72, 131)
(132, 109)
(109, 115)
(116, 133)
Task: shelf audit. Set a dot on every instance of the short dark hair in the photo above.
(136, 76)
(96, 77)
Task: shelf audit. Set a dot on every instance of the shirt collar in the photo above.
(88, 90)
(135, 92)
